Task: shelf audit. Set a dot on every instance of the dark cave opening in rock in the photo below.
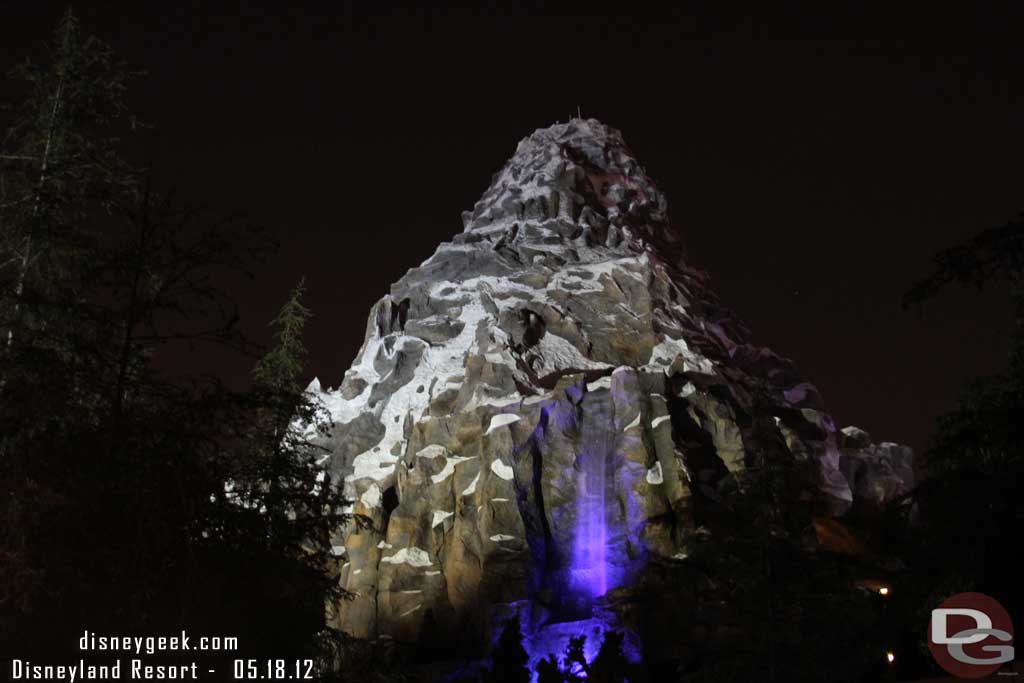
(390, 500)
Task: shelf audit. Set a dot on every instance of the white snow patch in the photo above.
(431, 451)
(499, 500)
(634, 423)
(338, 550)
(439, 517)
(669, 349)
(502, 470)
(500, 421)
(372, 465)
(405, 614)
(498, 538)
(654, 475)
(371, 497)
(449, 468)
(383, 545)
(680, 556)
(444, 360)
(510, 400)
(557, 353)
(432, 573)
(471, 489)
(601, 383)
(416, 557)
(658, 420)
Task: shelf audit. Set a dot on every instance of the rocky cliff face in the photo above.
(554, 403)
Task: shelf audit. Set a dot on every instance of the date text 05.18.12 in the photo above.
(273, 669)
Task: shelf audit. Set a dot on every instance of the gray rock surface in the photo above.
(557, 357)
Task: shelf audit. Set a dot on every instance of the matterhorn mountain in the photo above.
(548, 412)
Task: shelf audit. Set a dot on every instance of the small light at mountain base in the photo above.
(884, 590)
(890, 657)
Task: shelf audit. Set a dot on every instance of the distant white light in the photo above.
(884, 590)
(890, 656)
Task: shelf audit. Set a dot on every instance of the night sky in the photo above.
(813, 179)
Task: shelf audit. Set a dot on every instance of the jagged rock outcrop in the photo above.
(554, 402)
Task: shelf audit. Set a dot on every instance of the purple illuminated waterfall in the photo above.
(590, 564)
(590, 505)
(599, 554)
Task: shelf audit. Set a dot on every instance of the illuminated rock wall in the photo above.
(548, 410)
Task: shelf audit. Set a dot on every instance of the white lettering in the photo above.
(939, 624)
(176, 672)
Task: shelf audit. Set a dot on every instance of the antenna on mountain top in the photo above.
(578, 115)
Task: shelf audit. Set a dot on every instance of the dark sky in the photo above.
(813, 178)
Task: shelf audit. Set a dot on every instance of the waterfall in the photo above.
(589, 572)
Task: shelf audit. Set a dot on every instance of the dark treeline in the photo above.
(966, 536)
(135, 502)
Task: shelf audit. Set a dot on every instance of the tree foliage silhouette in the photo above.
(137, 500)
(509, 659)
(610, 665)
(60, 161)
(969, 500)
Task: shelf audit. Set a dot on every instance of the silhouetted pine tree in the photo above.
(60, 164)
(509, 659)
(574, 664)
(60, 169)
(610, 665)
(114, 512)
(548, 670)
(279, 509)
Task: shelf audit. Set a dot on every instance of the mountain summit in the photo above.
(548, 411)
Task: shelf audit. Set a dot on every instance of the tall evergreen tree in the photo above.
(280, 508)
(295, 494)
(114, 510)
(60, 163)
(94, 432)
(60, 169)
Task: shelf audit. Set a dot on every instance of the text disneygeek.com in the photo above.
(133, 666)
